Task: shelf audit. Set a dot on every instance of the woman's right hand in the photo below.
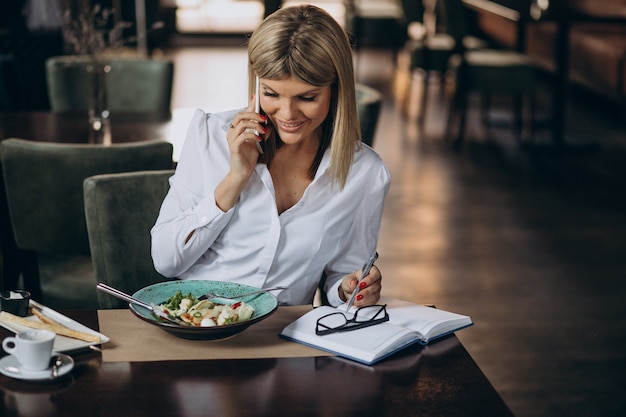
(243, 155)
(242, 141)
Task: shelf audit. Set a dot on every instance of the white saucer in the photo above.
(10, 367)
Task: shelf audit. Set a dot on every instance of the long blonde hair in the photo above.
(307, 43)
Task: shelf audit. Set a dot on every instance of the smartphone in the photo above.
(257, 109)
(257, 99)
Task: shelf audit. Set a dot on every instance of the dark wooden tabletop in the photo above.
(438, 380)
(46, 126)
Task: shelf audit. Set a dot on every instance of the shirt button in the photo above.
(204, 219)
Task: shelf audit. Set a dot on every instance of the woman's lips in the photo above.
(290, 127)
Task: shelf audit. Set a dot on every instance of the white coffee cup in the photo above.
(32, 348)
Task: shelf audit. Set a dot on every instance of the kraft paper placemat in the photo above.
(134, 340)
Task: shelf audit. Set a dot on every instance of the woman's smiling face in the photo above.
(295, 108)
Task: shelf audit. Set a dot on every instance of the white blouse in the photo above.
(329, 230)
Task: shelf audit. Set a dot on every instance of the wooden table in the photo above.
(74, 127)
(438, 380)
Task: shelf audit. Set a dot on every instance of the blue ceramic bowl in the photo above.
(264, 304)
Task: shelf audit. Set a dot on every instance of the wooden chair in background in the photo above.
(430, 49)
(487, 72)
(378, 24)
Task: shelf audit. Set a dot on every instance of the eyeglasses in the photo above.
(363, 317)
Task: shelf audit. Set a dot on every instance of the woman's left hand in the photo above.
(370, 287)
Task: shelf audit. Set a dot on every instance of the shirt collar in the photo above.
(263, 172)
(324, 164)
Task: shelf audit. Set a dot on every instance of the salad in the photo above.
(205, 313)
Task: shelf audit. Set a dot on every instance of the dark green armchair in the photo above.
(120, 210)
(368, 102)
(132, 84)
(44, 189)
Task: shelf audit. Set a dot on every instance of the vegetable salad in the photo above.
(205, 313)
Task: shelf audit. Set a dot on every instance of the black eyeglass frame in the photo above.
(353, 323)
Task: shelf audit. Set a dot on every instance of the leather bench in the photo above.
(597, 42)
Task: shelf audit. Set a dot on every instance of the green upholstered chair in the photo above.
(132, 84)
(44, 189)
(120, 210)
(368, 101)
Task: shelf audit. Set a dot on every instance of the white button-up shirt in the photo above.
(329, 230)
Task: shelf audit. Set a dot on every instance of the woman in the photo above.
(310, 203)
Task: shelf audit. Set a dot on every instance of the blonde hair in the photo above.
(307, 43)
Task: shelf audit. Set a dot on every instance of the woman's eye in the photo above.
(302, 98)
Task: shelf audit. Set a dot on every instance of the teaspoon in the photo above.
(56, 362)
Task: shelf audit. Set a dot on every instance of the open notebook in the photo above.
(408, 324)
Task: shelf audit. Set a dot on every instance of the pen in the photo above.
(365, 270)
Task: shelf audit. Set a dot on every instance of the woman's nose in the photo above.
(287, 109)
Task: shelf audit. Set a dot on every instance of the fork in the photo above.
(211, 295)
(126, 297)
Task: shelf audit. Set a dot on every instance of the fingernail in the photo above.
(362, 284)
(264, 117)
(359, 297)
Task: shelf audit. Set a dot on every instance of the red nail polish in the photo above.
(359, 297)
(264, 117)
(362, 284)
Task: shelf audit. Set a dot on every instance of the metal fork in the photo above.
(126, 297)
(211, 295)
